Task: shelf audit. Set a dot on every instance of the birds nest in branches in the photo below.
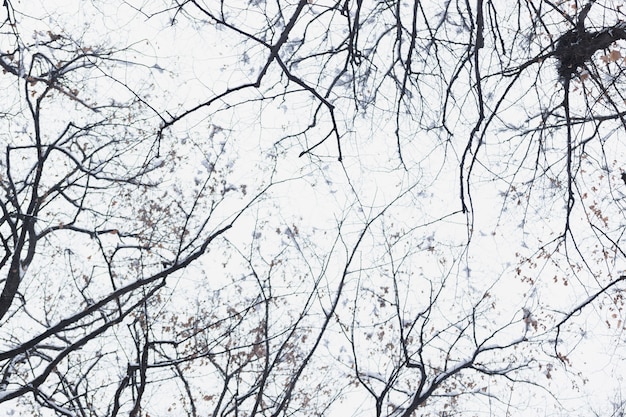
(576, 46)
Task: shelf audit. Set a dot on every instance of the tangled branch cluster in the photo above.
(576, 46)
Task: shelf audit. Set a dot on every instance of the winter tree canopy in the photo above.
(312, 208)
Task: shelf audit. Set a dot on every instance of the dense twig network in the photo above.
(253, 209)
